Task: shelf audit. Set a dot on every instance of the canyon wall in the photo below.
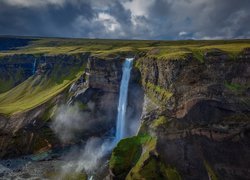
(93, 97)
(199, 111)
(196, 110)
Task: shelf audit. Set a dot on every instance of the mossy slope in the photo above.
(136, 158)
(38, 89)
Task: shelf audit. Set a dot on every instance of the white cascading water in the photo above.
(34, 67)
(122, 106)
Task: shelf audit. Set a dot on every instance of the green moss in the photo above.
(126, 154)
(169, 52)
(198, 54)
(172, 173)
(24, 97)
(137, 64)
(136, 158)
(233, 87)
(162, 120)
(236, 87)
(211, 174)
(150, 166)
(148, 146)
(153, 168)
(148, 170)
(157, 93)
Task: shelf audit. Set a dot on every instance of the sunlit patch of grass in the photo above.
(136, 158)
(35, 91)
(160, 121)
(105, 48)
(24, 96)
(127, 153)
(170, 53)
(157, 93)
(232, 48)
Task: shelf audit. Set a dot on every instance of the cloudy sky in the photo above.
(129, 19)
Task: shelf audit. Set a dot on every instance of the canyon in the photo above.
(187, 116)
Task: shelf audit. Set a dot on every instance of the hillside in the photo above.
(51, 76)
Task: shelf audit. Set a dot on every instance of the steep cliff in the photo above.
(200, 115)
(87, 85)
(26, 109)
(14, 70)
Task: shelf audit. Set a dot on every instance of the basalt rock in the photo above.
(104, 74)
(28, 132)
(202, 129)
(95, 93)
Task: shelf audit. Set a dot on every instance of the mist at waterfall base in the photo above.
(69, 121)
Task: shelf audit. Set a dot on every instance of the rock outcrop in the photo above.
(202, 119)
(105, 74)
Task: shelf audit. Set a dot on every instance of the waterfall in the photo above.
(122, 106)
(34, 67)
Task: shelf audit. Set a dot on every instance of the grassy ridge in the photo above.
(106, 48)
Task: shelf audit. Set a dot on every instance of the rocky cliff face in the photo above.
(29, 131)
(105, 74)
(95, 94)
(99, 91)
(207, 115)
(197, 112)
(200, 116)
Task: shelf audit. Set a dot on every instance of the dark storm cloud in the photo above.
(49, 20)
(143, 19)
